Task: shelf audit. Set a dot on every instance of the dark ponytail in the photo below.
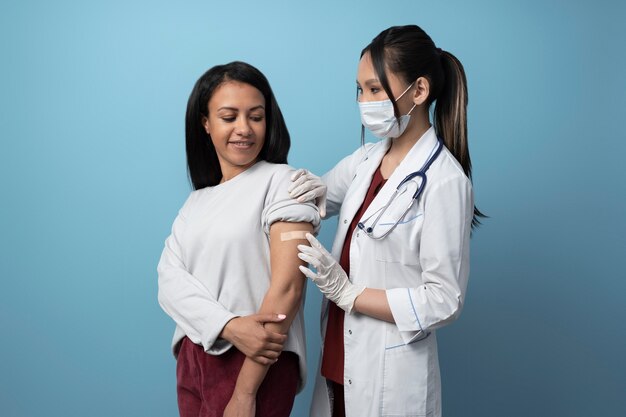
(450, 116)
(410, 53)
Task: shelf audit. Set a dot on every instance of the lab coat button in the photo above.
(345, 221)
(350, 381)
(357, 235)
(349, 331)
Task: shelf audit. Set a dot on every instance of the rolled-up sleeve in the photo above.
(279, 207)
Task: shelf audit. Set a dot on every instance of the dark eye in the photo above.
(256, 118)
(228, 119)
(374, 90)
(359, 90)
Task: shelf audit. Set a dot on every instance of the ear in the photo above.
(207, 126)
(422, 91)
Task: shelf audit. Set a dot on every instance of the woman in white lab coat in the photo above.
(400, 260)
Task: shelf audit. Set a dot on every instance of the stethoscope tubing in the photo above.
(422, 174)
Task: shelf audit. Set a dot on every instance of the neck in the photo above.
(401, 145)
(229, 171)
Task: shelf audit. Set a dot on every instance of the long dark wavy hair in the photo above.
(410, 53)
(202, 163)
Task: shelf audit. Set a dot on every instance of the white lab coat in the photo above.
(392, 369)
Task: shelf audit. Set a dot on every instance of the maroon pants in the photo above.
(205, 383)
(339, 402)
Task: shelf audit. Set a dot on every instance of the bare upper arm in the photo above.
(284, 240)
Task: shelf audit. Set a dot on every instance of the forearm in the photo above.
(250, 377)
(373, 302)
(284, 300)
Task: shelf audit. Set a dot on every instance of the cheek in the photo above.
(260, 130)
(215, 128)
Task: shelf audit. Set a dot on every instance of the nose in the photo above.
(242, 127)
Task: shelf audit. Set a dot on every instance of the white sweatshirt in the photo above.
(216, 263)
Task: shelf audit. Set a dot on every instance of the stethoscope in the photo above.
(369, 230)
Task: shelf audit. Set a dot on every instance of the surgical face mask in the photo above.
(378, 117)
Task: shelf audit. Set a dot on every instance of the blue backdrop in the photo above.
(92, 173)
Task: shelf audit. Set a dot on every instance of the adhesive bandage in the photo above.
(296, 234)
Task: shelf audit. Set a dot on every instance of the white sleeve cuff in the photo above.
(404, 314)
(212, 343)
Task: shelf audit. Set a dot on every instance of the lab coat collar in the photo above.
(413, 161)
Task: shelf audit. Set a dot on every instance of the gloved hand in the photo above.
(308, 187)
(330, 278)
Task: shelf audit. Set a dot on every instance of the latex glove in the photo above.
(308, 187)
(330, 278)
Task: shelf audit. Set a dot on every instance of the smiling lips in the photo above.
(241, 144)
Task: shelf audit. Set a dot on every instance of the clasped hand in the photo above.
(249, 335)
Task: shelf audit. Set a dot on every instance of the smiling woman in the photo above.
(236, 125)
(229, 107)
(227, 278)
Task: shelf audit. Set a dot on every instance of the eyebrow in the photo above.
(260, 106)
(370, 81)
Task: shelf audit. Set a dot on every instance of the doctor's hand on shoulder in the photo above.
(330, 277)
(308, 187)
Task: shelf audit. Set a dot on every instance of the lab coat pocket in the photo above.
(402, 244)
(405, 379)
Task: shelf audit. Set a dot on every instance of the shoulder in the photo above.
(279, 170)
(271, 169)
(274, 179)
(448, 184)
(447, 168)
(275, 173)
(363, 153)
(192, 201)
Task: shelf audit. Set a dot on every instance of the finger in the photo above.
(313, 241)
(311, 260)
(308, 273)
(300, 185)
(299, 190)
(321, 204)
(308, 250)
(305, 180)
(262, 360)
(275, 338)
(309, 196)
(298, 173)
(317, 245)
(270, 318)
(274, 347)
(271, 354)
